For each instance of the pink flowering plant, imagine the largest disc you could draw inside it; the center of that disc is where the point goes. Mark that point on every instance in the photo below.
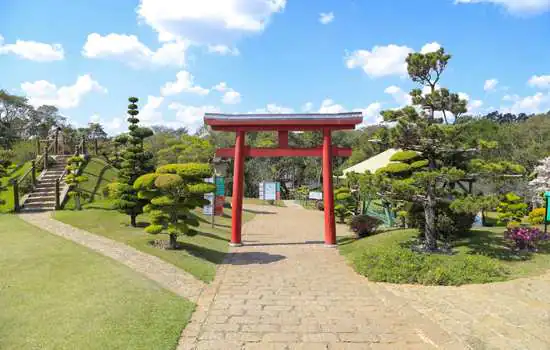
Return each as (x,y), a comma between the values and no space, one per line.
(525,238)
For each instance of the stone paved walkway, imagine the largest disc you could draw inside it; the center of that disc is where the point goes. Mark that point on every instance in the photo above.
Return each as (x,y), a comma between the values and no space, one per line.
(165,274)
(285,290)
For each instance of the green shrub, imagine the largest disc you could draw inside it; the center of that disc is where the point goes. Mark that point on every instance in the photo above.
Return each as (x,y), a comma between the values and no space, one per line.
(364,225)
(401,265)
(449,224)
(395,168)
(419,164)
(536,216)
(511,208)
(404,156)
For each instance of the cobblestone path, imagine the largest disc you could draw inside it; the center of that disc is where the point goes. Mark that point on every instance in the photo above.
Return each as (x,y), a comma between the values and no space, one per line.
(284,290)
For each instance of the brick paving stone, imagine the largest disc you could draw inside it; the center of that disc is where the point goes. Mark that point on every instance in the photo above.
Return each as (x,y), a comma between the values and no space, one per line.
(284,287)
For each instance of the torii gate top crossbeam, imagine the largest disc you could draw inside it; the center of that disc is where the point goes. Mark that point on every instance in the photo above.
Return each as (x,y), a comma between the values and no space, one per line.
(280,122)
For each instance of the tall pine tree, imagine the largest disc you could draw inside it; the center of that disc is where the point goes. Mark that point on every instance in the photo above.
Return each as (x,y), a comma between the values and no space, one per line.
(135,162)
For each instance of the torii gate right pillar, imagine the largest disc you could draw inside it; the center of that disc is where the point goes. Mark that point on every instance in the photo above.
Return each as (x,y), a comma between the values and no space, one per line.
(328,192)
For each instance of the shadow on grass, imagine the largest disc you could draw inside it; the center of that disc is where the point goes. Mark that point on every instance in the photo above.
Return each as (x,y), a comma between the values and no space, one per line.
(213,236)
(346,240)
(494,245)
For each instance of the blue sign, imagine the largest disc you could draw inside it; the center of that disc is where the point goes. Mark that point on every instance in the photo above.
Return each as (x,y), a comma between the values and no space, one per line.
(270,191)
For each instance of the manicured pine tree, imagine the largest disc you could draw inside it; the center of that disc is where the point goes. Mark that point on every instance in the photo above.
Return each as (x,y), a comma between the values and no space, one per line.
(432,129)
(73,179)
(5,162)
(135,162)
(174,190)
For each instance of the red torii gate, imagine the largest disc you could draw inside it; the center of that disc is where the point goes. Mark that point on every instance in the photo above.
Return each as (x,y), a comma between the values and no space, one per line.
(282,123)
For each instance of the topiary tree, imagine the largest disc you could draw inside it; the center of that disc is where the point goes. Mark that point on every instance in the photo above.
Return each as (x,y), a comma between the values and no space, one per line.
(174,190)
(511,209)
(135,162)
(433,130)
(73,179)
(5,163)
(345,205)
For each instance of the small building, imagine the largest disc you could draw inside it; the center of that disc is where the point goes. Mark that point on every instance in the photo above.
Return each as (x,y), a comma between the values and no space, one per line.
(372,164)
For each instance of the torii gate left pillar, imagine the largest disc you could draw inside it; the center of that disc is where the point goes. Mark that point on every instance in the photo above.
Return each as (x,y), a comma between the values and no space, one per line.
(240,124)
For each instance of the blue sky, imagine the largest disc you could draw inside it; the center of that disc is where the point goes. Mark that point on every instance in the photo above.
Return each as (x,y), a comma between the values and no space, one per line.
(184,57)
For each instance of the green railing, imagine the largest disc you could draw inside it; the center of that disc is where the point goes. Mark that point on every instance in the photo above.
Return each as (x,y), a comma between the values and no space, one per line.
(380,211)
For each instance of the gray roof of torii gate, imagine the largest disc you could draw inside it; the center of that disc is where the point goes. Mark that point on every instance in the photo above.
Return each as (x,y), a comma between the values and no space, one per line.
(271,121)
(283,116)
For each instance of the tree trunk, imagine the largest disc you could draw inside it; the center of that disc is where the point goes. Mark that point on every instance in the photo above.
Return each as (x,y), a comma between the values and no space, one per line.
(429,214)
(133,220)
(173,241)
(77,201)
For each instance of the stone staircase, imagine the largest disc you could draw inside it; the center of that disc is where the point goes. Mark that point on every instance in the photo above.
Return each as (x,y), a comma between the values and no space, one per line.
(42,197)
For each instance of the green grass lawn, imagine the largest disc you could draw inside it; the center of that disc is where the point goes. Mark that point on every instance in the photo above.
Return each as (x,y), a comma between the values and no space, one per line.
(7,196)
(483,256)
(200,254)
(55,294)
(99,175)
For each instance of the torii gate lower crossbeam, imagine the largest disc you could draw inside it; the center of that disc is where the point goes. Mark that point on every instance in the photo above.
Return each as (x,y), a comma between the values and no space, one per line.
(282,123)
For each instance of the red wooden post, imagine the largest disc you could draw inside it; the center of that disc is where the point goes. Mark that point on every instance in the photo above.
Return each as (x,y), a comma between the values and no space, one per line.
(328,193)
(283,138)
(238,191)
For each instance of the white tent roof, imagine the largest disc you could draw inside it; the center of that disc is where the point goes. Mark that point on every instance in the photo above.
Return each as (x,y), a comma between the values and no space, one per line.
(373,163)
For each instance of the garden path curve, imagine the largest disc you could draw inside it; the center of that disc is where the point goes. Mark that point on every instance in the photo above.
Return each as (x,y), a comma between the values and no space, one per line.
(284,290)
(165,274)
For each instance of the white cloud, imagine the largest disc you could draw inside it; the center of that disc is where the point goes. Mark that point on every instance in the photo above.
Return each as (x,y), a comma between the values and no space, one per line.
(540,81)
(426,89)
(430,47)
(185,82)
(112,126)
(149,113)
(474,105)
(490,84)
(401,97)
(328,106)
(33,50)
(42,92)
(381,61)
(513,97)
(207,21)
(371,114)
(464,96)
(307,107)
(273,108)
(224,50)
(128,49)
(515,6)
(230,96)
(536,103)
(192,116)
(326,18)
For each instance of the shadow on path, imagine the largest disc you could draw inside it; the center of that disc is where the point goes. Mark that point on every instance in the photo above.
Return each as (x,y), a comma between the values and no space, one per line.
(283,243)
(259,211)
(249,258)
